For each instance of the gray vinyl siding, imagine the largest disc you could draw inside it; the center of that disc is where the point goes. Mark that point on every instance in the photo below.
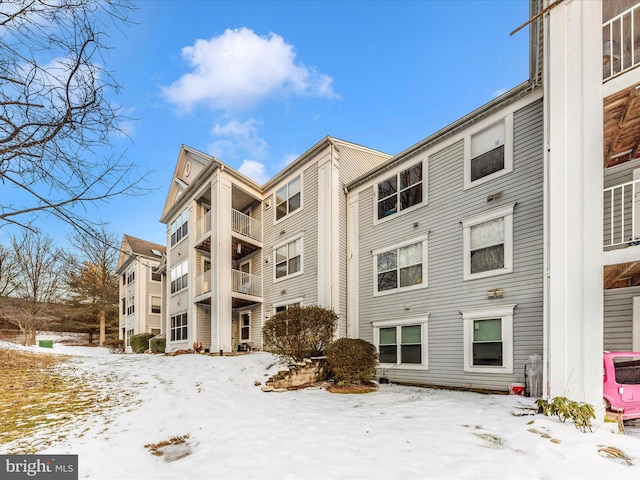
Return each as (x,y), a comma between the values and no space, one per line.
(618,318)
(447,294)
(304,222)
(352,163)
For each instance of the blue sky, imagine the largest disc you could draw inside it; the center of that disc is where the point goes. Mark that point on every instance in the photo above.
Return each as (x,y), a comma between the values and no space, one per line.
(257,83)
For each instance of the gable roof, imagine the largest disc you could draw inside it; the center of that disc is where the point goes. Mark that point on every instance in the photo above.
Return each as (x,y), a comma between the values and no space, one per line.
(133,247)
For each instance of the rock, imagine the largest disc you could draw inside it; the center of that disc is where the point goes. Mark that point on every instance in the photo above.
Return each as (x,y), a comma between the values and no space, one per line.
(267,388)
(555,440)
(257,383)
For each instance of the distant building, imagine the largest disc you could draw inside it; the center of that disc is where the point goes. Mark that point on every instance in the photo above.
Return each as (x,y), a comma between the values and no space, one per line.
(141,286)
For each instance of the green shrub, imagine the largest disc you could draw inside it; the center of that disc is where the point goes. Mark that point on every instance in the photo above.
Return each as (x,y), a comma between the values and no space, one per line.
(158,345)
(580,413)
(114,346)
(140,343)
(299,332)
(352,360)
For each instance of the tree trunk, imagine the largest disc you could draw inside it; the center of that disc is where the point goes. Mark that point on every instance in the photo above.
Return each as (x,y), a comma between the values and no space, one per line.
(102,315)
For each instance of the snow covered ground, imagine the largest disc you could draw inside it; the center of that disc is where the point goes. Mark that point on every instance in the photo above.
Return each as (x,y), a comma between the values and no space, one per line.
(237,431)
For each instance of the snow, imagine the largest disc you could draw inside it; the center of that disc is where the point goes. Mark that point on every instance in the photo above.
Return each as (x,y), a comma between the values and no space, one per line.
(237,431)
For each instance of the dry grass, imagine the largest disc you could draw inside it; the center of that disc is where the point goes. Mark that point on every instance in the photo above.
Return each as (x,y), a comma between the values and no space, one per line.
(42,397)
(352,388)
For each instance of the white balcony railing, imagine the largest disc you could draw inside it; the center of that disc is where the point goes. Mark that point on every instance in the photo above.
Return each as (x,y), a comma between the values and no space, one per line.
(203,225)
(203,283)
(621,42)
(622,214)
(245,225)
(242,282)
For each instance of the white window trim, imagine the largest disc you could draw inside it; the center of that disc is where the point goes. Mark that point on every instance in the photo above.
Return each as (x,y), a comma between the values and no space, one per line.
(508,152)
(424,331)
(151,304)
(173,315)
(505,313)
(151,267)
(425,189)
(240,314)
(425,272)
(275,202)
(505,212)
(287,303)
(292,275)
(187,214)
(185,263)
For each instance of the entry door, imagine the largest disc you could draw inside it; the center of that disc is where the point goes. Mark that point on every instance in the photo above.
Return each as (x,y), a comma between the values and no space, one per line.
(245,284)
(245,327)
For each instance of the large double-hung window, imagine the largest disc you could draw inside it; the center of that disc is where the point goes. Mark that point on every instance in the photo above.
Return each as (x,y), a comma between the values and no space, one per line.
(400,267)
(179,227)
(179,327)
(488,243)
(179,276)
(489,152)
(488,339)
(402,342)
(288,259)
(288,198)
(401,191)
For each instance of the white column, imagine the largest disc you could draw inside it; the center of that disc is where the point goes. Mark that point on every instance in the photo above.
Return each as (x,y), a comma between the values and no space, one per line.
(574,173)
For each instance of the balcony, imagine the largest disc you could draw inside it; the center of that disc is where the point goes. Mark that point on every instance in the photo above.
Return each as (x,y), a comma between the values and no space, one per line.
(622,215)
(202,288)
(203,233)
(621,40)
(246,289)
(246,226)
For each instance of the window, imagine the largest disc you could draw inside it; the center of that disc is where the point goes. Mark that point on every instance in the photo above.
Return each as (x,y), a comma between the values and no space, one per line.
(124,279)
(245,326)
(129,335)
(179,327)
(488,243)
(400,268)
(124,306)
(289,258)
(402,342)
(282,308)
(488,339)
(131,276)
(155,304)
(489,152)
(131,305)
(288,198)
(155,276)
(179,275)
(180,227)
(400,192)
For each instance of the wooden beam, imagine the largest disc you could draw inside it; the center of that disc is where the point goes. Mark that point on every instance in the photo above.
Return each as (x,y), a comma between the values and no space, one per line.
(615,135)
(613,272)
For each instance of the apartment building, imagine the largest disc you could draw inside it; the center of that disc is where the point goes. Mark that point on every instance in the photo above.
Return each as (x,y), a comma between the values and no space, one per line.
(141,288)
(509,233)
(239,252)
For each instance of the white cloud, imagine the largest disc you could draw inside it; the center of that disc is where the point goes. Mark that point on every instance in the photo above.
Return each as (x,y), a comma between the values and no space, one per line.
(239,68)
(236,136)
(254,170)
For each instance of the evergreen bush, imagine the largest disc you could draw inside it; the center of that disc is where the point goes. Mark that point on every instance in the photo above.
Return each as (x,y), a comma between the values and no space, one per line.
(140,343)
(158,345)
(299,332)
(352,360)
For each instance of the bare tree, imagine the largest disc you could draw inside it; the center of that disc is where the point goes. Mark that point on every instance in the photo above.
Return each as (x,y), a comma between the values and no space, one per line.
(39,282)
(56,117)
(92,281)
(7,272)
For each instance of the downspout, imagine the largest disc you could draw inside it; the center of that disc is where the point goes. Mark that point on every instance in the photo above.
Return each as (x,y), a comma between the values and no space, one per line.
(547,207)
